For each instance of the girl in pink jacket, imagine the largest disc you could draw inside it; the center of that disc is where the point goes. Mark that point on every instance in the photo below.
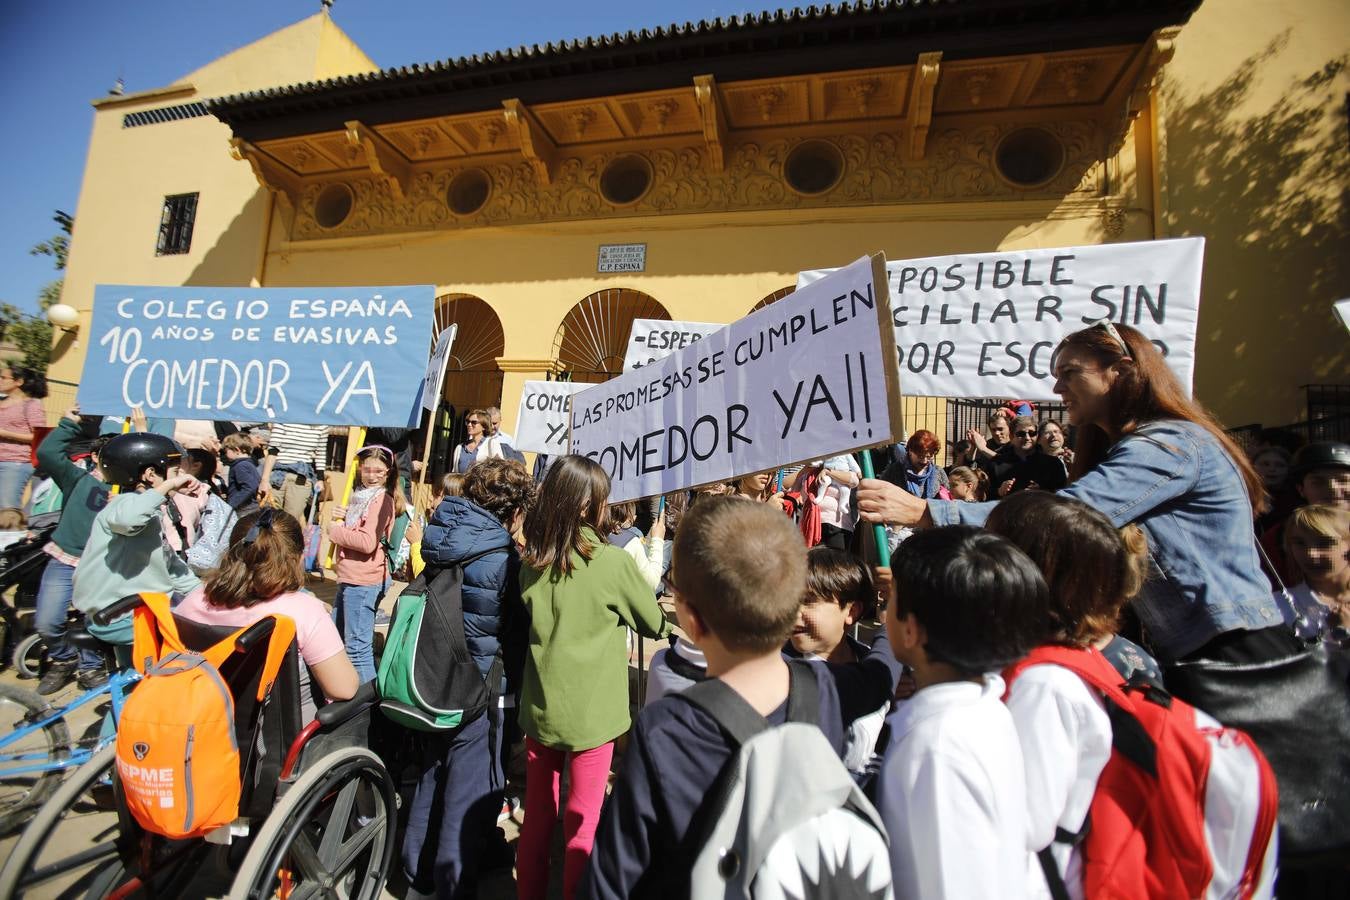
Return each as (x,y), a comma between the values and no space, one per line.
(358,531)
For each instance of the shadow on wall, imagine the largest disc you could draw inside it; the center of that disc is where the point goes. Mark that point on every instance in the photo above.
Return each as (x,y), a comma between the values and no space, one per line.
(232,260)
(1270,191)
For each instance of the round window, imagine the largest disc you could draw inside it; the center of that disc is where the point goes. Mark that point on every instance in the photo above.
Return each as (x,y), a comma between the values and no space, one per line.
(468,192)
(813,167)
(625,180)
(333,206)
(1029,157)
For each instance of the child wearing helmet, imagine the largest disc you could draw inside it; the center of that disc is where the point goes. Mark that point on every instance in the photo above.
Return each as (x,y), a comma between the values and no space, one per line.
(127,552)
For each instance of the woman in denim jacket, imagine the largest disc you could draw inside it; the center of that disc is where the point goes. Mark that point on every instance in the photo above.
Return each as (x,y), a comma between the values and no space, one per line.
(1148,454)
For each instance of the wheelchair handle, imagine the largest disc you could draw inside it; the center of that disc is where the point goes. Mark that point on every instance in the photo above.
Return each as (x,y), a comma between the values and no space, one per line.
(258,631)
(105,616)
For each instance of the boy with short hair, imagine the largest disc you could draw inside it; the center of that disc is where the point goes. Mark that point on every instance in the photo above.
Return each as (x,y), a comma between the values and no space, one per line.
(738,572)
(952,789)
(242,489)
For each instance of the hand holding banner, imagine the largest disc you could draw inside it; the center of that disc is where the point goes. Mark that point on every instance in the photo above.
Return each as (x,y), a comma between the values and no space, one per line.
(812,375)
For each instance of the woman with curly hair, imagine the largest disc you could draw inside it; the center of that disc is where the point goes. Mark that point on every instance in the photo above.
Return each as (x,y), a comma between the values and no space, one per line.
(462,785)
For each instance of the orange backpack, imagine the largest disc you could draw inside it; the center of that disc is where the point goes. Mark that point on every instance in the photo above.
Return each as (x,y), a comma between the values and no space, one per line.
(177,754)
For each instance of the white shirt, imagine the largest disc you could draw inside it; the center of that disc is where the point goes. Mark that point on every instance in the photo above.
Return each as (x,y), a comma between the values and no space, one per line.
(1066,741)
(952,796)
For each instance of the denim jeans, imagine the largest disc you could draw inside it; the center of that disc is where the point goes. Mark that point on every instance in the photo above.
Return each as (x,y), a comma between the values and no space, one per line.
(53,600)
(119,633)
(13,479)
(454,809)
(354,615)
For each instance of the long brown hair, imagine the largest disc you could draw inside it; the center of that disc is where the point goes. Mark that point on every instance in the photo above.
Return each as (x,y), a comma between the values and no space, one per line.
(573,495)
(1085,560)
(1144,391)
(262,561)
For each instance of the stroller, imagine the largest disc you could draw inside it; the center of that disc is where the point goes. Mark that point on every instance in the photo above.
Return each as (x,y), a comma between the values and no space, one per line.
(21,566)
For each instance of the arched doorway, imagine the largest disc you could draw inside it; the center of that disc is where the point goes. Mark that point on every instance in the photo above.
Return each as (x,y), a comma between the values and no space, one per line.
(593,336)
(773,298)
(472,377)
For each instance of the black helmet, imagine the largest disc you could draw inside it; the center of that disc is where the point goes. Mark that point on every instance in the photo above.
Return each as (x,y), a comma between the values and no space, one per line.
(1320,455)
(126,456)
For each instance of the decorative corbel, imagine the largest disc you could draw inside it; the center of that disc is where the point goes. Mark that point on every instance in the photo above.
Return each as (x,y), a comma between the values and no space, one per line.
(535,145)
(386,162)
(922,87)
(271,174)
(1162,44)
(714,120)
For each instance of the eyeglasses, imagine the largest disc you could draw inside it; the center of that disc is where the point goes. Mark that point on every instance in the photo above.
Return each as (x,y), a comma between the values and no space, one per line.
(472,422)
(1105,325)
(1025,433)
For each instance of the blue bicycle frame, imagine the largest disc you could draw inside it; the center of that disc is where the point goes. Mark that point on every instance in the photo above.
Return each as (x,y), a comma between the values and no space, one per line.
(14,764)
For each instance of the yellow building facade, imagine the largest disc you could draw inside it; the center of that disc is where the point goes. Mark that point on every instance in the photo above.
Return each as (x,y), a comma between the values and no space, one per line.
(741,152)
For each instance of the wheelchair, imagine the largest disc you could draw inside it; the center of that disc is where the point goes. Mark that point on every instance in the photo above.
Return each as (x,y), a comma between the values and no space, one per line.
(317,816)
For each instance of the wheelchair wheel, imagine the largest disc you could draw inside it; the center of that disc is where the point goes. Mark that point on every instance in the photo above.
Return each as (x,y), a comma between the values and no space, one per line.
(72,835)
(28,656)
(331,835)
(23,792)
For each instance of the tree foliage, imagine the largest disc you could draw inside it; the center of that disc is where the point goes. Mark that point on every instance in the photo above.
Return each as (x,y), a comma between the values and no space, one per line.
(33,334)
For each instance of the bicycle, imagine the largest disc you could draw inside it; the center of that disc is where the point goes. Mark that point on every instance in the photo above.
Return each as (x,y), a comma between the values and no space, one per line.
(38,751)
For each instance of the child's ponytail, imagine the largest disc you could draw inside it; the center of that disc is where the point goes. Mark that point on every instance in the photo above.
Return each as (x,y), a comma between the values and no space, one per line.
(262,561)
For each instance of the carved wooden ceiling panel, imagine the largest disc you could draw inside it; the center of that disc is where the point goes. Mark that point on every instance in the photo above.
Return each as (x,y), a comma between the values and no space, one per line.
(579,123)
(423,141)
(977,86)
(767,104)
(657,114)
(306,157)
(879,94)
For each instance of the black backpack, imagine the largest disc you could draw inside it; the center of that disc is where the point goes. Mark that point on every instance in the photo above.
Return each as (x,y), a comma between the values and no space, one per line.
(428,680)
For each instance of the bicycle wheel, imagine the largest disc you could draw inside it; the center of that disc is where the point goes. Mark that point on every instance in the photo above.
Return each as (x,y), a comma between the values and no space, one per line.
(21,792)
(70,839)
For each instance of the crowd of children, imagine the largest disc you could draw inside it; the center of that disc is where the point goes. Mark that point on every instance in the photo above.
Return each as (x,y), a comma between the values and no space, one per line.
(969,738)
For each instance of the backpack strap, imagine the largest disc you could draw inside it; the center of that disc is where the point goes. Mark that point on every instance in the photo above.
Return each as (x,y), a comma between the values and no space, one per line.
(154,631)
(1087,663)
(739,719)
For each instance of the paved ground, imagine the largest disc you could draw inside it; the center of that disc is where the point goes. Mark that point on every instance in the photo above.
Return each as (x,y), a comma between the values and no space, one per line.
(499,885)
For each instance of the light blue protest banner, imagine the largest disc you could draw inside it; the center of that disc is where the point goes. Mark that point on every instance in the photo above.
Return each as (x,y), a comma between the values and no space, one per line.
(317,356)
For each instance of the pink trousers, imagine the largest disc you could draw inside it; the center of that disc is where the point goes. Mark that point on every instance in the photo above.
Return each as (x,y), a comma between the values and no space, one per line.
(588,773)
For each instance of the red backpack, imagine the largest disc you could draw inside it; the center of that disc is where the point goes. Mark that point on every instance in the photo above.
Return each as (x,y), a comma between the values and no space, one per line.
(1184,808)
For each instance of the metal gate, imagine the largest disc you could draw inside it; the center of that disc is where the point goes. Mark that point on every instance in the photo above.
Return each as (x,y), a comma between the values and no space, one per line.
(472,378)
(593,337)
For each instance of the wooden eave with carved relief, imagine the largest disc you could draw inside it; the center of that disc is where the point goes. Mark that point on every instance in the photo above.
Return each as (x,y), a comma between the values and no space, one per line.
(923,130)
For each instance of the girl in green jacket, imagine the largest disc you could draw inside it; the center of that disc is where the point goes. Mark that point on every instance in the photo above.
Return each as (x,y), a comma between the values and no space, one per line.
(580,592)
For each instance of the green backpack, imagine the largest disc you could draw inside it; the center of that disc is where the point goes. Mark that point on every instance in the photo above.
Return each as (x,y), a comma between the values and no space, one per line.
(428,680)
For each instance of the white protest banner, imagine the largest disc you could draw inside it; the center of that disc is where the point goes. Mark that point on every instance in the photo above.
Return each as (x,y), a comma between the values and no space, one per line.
(541,423)
(434,377)
(985,324)
(812,375)
(653,339)
(316,355)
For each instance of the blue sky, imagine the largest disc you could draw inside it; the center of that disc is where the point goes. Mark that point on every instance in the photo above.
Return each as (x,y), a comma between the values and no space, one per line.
(56,57)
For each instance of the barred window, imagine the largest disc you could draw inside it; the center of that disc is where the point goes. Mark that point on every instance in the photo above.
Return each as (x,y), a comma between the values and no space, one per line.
(175,224)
